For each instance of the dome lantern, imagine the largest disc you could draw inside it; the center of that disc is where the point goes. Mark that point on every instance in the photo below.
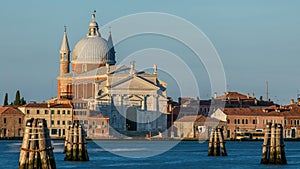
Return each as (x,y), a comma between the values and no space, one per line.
(93,27)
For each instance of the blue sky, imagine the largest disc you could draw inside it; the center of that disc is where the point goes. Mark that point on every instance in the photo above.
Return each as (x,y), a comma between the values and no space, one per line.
(256,40)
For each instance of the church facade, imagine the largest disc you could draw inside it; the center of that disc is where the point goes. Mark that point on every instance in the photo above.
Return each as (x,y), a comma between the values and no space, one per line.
(133,100)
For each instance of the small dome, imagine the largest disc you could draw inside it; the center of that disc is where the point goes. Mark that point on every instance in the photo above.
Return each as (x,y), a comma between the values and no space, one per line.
(93,24)
(92,49)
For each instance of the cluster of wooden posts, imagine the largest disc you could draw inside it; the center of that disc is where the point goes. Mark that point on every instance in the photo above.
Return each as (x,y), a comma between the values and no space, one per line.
(36,150)
(75,144)
(273,146)
(216,143)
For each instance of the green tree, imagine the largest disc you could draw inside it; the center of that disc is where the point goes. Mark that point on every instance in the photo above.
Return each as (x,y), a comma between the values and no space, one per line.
(23,101)
(17,101)
(5,100)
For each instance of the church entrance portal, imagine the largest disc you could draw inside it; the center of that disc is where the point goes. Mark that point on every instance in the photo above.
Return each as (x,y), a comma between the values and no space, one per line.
(131,119)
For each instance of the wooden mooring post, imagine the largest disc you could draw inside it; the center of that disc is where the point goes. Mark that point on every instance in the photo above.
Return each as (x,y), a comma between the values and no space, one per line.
(75,144)
(273,145)
(36,151)
(216,143)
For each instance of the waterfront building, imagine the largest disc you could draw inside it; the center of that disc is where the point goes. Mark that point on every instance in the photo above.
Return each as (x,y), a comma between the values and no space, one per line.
(253,120)
(133,100)
(95,124)
(58,116)
(196,127)
(11,122)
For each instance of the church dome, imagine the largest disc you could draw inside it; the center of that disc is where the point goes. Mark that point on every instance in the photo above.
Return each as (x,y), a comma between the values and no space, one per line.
(93,49)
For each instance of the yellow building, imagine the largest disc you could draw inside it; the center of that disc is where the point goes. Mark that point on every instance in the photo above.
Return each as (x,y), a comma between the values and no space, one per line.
(57,116)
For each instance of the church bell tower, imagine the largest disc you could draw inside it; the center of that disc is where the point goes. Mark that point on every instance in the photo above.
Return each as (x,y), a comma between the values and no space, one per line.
(64,55)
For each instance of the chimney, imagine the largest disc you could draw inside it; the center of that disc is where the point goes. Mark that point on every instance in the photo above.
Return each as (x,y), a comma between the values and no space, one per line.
(48,104)
(253,95)
(215,95)
(248,96)
(292,101)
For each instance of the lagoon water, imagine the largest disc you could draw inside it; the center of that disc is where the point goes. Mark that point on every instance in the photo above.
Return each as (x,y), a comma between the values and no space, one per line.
(186,154)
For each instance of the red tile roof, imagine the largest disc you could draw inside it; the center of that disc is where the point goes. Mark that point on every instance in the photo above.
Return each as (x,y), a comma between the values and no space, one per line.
(233,95)
(197,119)
(45,105)
(293,110)
(9,110)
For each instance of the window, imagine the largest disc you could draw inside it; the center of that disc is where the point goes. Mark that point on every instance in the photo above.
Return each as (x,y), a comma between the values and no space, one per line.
(46,112)
(58,122)
(86,122)
(63,122)
(52,111)
(102,131)
(52,122)
(4,132)
(103,123)
(228,121)
(54,131)
(246,121)
(37,111)
(285,122)
(19,132)
(238,121)
(243,121)
(64,112)
(253,121)
(70,122)
(58,111)
(84,68)
(228,133)
(94,123)
(235,121)
(28,111)
(4,120)
(68,111)
(20,120)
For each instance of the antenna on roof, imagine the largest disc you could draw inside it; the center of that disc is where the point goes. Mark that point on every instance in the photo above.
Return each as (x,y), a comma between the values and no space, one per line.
(267,90)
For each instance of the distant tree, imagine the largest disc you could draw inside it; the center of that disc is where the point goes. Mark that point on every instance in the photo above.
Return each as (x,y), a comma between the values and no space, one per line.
(17,101)
(23,101)
(5,100)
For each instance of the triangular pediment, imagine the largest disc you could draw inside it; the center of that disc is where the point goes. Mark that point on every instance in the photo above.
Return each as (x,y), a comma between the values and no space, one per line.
(133,83)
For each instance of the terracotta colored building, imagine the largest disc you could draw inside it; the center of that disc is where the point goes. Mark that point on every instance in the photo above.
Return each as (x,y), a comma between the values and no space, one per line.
(57,115)
(254,120)
(96,125)
(11,122)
